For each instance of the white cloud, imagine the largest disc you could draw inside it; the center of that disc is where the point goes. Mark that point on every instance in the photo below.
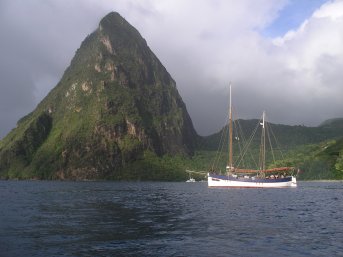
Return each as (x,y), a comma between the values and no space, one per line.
(314,52)
(330,10)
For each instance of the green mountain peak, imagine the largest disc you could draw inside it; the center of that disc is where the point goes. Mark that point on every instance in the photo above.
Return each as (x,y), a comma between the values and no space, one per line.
(115,102)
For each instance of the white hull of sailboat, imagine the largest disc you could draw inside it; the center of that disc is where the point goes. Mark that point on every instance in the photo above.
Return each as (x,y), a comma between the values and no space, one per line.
(219,181)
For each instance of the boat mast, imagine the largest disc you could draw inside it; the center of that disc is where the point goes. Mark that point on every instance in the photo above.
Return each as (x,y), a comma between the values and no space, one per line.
(263,142)
(230,134)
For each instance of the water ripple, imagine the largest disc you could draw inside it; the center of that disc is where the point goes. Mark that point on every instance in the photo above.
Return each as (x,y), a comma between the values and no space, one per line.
(168,219)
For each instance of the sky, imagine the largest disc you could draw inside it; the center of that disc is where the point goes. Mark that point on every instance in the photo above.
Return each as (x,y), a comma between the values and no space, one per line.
(281,56)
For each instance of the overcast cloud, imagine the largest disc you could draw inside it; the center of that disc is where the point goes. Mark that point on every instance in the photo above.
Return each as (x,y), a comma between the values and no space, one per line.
(296,77)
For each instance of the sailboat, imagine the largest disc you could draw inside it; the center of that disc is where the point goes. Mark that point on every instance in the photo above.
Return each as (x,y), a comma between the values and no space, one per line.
(250,178)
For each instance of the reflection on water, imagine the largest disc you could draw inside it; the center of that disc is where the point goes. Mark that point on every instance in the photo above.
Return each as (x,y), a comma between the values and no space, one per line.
(168,219)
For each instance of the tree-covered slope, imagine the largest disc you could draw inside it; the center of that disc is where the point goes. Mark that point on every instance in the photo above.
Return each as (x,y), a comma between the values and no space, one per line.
(317,161)
(317,151)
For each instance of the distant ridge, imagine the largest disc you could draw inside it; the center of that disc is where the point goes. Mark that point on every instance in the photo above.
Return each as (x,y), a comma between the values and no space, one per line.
(289,136)
(336,122)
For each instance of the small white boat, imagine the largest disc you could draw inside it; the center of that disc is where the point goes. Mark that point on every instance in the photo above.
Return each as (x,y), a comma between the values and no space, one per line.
(190,180)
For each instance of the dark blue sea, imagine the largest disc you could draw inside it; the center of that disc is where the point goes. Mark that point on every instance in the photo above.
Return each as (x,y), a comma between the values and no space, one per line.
(43,218)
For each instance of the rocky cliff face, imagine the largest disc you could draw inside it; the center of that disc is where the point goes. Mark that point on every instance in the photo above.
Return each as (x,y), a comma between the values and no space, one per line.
(114,102)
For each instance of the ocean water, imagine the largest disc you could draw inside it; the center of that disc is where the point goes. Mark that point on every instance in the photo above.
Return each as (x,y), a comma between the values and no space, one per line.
(44,218)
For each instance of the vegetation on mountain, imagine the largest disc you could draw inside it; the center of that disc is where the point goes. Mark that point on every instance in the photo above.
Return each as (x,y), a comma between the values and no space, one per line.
(316,151)
(317,161)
